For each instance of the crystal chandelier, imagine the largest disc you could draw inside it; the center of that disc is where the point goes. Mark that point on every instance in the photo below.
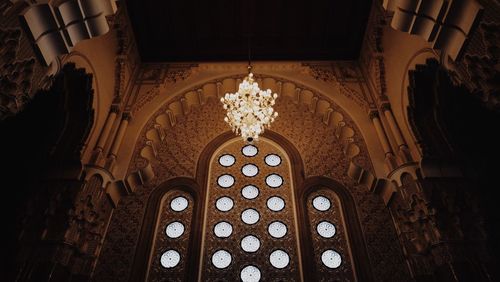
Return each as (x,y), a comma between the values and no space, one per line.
(249,110)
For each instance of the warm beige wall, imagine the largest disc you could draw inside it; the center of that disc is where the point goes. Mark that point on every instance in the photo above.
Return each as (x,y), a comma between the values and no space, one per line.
(401,53)
(97,57)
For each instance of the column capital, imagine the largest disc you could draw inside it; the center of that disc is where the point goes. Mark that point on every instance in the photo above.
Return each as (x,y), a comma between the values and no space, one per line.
(115,108)
(385,106)
(372,114)
(127,116)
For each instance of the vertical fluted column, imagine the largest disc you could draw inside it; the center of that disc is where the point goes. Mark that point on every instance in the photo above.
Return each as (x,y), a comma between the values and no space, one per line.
(403,150)
(106,129)
(115,147)
(384,141)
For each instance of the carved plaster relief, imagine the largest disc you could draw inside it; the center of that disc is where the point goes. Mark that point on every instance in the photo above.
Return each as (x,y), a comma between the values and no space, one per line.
(163,150)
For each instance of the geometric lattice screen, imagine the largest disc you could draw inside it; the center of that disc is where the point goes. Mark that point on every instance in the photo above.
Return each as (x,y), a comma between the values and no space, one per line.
(251,223)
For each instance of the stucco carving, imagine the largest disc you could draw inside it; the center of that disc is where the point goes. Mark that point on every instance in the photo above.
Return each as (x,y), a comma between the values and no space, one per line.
(433,219)
(20,74)
(160,76)
(340,75)
(326,137)
(372,54)
(479,70)
(127,59)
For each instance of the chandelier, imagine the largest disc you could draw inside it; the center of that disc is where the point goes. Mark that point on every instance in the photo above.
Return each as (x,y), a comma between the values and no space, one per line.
(250,110)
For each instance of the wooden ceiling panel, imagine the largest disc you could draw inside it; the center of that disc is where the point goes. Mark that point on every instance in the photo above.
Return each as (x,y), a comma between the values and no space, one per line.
(219,30)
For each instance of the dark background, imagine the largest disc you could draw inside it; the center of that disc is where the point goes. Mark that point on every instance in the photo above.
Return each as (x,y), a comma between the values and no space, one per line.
(221,30)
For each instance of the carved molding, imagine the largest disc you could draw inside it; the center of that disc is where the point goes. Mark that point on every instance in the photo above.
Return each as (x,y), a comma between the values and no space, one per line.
(479,70)
(56,30)
(446,24)
(340,74)
(372,53)
(127,60)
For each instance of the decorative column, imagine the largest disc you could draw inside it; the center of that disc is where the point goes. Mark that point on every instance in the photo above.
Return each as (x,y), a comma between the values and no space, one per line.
(403,151)
(63,218)
(390,160)
(115,147)
(103,138)
(441,229)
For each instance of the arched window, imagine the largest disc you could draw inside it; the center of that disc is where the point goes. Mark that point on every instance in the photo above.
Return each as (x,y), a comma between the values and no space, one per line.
(168,261)
(255,219)
(328,236)
(250,226)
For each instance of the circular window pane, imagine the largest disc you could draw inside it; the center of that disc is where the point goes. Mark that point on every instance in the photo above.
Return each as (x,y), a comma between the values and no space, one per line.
(272,160)
(250,273)
(170,258)
(223,229)
(277,229)
(250,192)
(275,203)
(179,204)
(326,229)
(227,160)
(250,170)
(274,180)
(331,259)
(279,259)
(250,216)
(221,259)
(250,244)
(225,180)
(321,203)
(250,150)
(174,229)
(224,204)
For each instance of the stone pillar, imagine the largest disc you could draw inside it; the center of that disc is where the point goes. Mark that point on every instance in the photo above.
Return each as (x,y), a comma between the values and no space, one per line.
(384,141)
(64,231)
(441,229)
(403,151)
(106,129)
(115,147)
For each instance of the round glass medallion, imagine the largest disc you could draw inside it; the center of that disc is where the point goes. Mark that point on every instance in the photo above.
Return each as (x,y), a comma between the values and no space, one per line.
(225,180)
(250,216)
(250,192)
(223,229)
(331,259)
(221,259)
(275,203)
(170,258)
(250,244)
(279,259)
(224,204)
(274,180)
(250,273)
(277,229)
(326,229)
(250,170)
(179,204)
(250,151)
(174,229)
(272,160)
(321,203)
(227,160)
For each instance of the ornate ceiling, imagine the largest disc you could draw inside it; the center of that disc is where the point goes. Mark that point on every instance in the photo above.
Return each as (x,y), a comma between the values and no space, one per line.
(218,30)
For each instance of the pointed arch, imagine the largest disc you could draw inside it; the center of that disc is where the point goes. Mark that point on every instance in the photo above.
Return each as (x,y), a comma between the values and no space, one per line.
(348,219)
